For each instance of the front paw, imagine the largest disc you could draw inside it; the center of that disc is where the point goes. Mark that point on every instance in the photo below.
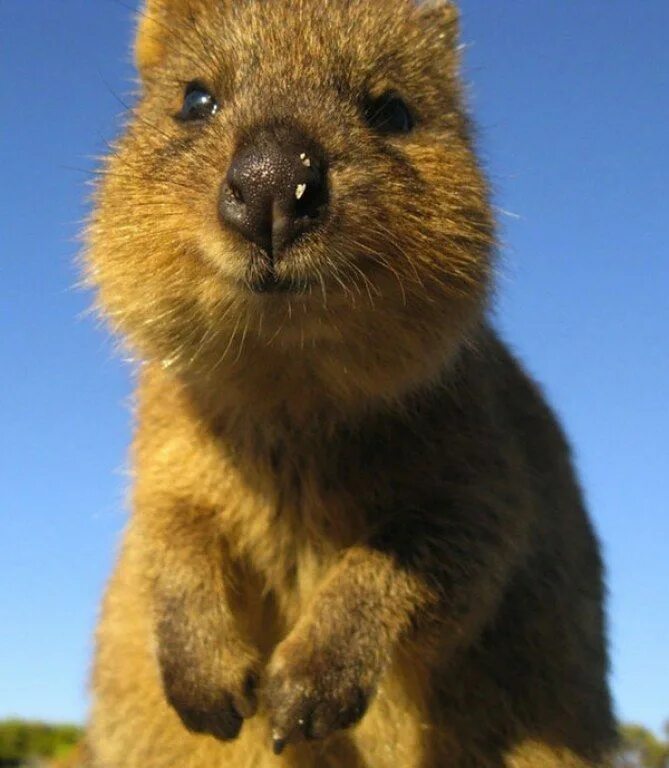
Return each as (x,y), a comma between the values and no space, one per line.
(216,704)
(312,692)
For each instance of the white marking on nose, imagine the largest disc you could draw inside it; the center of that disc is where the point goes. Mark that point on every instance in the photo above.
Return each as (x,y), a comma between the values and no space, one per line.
(305,159)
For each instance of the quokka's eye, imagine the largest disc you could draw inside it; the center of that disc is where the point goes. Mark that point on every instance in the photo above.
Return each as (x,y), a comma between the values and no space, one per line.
(389,114)
(198,104)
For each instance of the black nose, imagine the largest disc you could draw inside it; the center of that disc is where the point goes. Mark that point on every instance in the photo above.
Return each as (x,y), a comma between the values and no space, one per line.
(275,190)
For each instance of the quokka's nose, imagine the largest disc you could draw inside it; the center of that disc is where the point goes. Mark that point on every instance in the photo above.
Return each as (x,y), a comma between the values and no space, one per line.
(275,190)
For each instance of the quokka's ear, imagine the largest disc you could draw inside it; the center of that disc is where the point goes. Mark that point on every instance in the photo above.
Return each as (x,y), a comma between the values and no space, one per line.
(443,17)
(158,20)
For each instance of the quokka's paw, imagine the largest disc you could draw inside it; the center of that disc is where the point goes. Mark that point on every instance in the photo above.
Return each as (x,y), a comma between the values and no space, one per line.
(216,707)
(309,694)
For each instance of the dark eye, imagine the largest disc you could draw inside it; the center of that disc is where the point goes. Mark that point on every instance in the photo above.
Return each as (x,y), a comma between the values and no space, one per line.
(199,103)
(389,114)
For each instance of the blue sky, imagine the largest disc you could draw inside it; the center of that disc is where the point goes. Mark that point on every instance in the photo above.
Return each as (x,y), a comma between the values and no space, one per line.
(572,100)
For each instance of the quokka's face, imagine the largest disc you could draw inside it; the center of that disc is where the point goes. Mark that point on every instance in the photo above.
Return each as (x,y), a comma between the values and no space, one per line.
(295,175)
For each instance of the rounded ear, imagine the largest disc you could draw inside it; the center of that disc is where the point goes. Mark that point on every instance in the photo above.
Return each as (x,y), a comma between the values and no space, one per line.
(442,17)
(157,19)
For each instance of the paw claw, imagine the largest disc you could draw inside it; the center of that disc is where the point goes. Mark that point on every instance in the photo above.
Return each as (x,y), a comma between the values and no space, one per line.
(278,743)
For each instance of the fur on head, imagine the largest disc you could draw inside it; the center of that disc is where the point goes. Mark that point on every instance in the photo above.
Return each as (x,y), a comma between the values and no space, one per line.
(385,289)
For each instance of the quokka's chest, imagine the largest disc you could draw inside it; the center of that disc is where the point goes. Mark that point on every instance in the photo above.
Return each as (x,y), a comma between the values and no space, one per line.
(282,527)
(290,533)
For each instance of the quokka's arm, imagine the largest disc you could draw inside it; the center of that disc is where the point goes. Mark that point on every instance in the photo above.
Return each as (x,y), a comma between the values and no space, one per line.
(209,672)
(434,575)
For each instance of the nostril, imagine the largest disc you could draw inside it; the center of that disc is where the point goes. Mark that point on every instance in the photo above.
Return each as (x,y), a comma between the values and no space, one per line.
(309,200)
(236,191)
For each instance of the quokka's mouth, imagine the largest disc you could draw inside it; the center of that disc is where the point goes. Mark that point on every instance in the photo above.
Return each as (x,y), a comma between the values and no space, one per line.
(268,281)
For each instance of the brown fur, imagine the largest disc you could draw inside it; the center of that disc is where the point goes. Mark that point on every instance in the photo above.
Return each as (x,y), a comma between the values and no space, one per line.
(355,523)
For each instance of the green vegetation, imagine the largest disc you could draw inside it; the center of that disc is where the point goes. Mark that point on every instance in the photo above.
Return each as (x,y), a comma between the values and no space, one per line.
(22,742)
(639,748)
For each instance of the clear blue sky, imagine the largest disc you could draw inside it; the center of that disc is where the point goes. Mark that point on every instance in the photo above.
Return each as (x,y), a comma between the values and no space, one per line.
(572,99)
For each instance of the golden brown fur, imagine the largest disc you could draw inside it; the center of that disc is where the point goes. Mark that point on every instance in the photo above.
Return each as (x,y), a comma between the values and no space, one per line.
(355,523)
